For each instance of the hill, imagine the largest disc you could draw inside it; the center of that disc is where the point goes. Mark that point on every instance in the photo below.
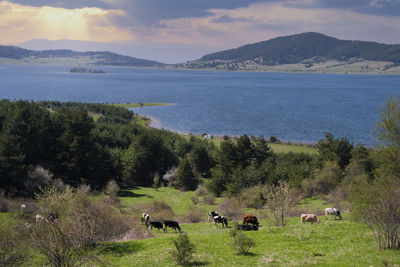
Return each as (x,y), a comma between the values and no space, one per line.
(313,51)
(13,54)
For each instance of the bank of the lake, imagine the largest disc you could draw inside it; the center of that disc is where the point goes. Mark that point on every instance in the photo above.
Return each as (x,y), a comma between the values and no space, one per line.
(294,107)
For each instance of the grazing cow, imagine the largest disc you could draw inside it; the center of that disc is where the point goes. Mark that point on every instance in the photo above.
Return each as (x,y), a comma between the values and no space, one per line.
(245,227)
(156,225)
(309,218)
(250,219)
(146,217)
(40,218)
(173,224)
(220,219)
(332,211)
(212,214)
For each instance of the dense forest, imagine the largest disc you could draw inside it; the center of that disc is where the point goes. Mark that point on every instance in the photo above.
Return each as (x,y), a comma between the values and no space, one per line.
(95,143)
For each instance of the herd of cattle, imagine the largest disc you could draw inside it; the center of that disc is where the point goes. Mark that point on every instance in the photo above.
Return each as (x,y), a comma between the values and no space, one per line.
(250,222)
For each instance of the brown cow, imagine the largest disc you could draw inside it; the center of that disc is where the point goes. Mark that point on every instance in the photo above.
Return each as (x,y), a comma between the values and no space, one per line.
(250,219)
(309,218)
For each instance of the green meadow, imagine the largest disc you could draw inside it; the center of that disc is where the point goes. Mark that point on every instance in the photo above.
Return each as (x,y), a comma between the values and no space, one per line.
(331,243)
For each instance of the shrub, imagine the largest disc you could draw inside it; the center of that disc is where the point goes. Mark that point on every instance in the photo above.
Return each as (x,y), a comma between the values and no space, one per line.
(194,215)
(184,249)
(37,178)
(159,210)
(378,205)
(4,204)
(111,191)
(253,197)
(203,196)
(82,221)
(231,209)
(273,139)
(13,238)
(241,243)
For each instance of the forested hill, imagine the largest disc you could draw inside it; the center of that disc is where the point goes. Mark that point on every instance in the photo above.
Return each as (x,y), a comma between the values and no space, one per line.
(295,48)
(92,57)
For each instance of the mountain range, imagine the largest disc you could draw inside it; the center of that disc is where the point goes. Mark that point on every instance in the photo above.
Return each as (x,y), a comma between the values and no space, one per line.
(305,52)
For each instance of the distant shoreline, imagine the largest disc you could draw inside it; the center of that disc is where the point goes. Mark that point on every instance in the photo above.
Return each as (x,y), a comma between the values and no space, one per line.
(155,123)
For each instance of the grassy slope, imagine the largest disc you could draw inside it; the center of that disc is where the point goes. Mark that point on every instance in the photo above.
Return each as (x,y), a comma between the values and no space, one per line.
(284,148)
(337,243)
(139,105)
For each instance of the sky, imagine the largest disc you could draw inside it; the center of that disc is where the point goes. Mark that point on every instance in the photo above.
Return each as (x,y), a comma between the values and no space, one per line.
(174,31)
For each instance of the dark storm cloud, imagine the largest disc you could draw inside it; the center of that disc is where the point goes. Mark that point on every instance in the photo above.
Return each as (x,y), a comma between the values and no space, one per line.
(372,7)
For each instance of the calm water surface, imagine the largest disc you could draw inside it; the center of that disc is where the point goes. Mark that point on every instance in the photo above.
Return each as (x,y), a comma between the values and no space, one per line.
(293,107)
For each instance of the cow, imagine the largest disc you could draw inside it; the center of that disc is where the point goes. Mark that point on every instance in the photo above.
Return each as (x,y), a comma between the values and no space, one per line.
(332,211)
(40,218)
(309,218)
(173,224)
(146,217)
(245,227)
(212,214)
(220,219)
(250,219)
(156,225)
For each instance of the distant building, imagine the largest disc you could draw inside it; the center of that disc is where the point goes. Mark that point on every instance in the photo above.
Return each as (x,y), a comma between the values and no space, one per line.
(208,136)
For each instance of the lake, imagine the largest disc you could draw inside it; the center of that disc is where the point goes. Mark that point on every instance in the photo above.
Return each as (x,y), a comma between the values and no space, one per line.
(293,107)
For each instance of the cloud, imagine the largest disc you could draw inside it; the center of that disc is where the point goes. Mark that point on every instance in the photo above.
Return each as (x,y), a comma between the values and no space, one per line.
(19,23)
(372,7)
(228,19)
(267,20)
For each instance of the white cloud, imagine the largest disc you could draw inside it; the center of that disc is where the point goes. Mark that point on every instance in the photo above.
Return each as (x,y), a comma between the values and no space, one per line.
(19,23)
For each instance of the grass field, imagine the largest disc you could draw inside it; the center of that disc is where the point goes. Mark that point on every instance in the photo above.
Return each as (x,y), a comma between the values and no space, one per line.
(332,243)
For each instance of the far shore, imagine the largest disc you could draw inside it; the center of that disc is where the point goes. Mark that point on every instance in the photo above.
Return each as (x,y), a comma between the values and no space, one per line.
(279,146)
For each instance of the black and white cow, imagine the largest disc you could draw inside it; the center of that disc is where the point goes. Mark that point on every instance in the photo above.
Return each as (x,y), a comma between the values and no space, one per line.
(221,219)
(146,217)
(156,225)
(173,224)
(245,227)
(212,214)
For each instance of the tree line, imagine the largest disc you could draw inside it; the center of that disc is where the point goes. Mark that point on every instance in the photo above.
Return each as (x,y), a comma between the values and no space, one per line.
(71,145)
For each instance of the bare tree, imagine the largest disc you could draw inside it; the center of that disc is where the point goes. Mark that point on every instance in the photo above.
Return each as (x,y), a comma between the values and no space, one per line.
(277,202)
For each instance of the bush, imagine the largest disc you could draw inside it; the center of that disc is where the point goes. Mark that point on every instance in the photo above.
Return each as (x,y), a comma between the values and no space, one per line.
(4,204)
(241,243)
(13,238)
(203,196)
(184,249)
(38,178)
(231,209)
(378,205)
(158,210)
(82,221)
(111,191)
(194,215)
(253,197)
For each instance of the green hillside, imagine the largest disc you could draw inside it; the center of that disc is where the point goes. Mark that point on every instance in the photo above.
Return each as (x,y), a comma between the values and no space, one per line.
(295,48)
(91,57)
